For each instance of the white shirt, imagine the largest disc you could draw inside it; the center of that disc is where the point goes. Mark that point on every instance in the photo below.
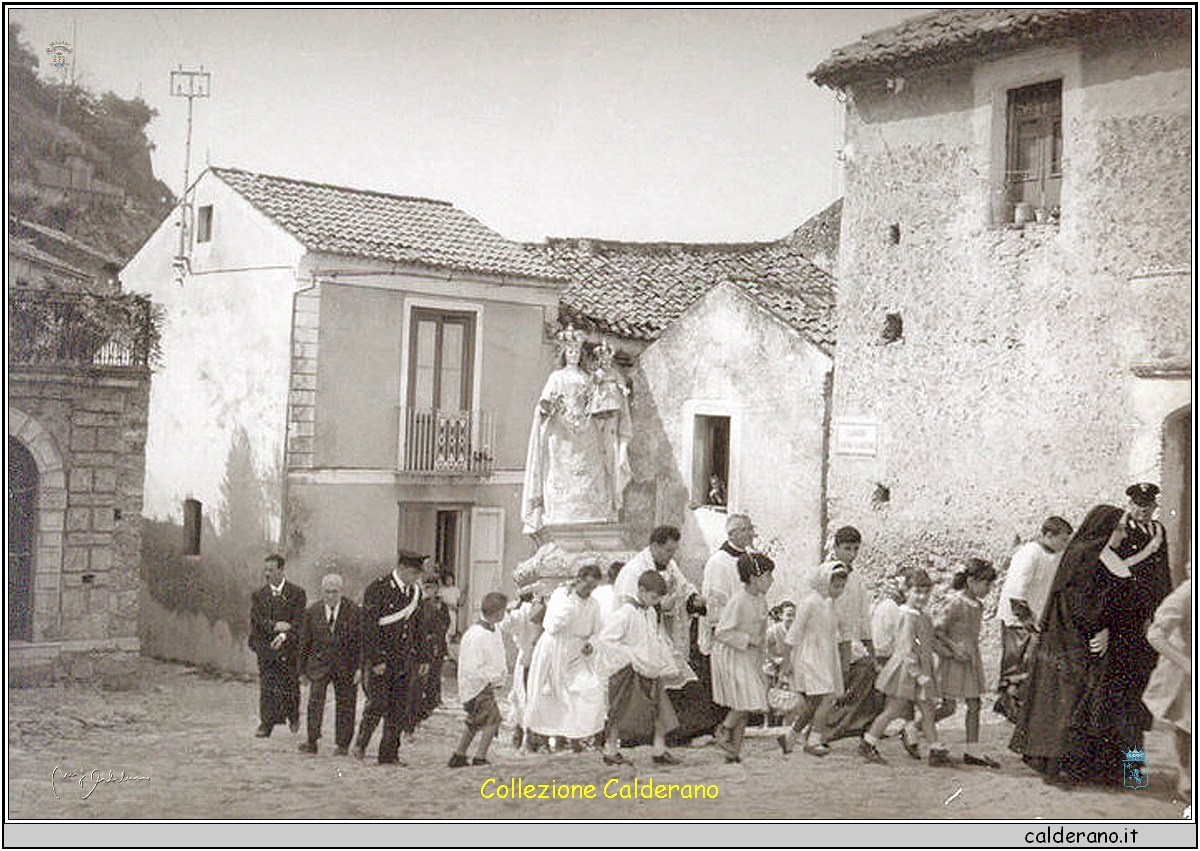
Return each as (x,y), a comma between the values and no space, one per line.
(481,661)
(673,604)
(632,636)
(853,610)
(331,612)
(606,598)
(626,584)
(1030,575)
(885,623)
(720,583)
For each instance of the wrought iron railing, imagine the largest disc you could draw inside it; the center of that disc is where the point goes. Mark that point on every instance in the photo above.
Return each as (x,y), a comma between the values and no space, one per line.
(454,442)
(68,329)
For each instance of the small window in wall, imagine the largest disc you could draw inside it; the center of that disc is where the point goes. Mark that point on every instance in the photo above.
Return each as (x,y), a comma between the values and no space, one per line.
(204,220)
(710,461)
(191,527)
(1033,171)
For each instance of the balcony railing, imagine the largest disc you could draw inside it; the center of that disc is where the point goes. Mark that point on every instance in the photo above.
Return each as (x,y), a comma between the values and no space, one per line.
(68,329)
(448,442)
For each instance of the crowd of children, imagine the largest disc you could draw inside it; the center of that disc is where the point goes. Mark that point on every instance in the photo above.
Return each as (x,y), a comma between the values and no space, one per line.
(604,664)
(597,663)
(591,670)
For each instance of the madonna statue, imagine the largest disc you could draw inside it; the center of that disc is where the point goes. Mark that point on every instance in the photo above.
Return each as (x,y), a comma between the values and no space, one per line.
(565,479)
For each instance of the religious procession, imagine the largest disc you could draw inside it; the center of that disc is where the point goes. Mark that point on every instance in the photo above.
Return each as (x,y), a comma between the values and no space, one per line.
(1095,643)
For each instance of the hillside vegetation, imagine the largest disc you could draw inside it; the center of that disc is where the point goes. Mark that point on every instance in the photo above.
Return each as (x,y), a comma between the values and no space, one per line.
(78,161)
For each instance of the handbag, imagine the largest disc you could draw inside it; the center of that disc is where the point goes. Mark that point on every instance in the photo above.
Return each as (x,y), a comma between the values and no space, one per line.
(782,700)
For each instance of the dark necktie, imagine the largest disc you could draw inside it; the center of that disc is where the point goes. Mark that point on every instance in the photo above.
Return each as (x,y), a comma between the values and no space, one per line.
(331,620)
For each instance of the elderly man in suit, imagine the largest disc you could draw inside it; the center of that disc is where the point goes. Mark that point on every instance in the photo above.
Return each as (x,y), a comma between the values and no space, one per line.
(330,651)
(275,612)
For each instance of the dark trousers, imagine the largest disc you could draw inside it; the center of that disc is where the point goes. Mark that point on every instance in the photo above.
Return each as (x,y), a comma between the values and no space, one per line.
(345,697)
(387,698)
(278,691)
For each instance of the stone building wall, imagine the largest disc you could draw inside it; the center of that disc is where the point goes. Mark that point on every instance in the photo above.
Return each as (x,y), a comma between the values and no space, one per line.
(87,433)
(727,356)
(1018,388)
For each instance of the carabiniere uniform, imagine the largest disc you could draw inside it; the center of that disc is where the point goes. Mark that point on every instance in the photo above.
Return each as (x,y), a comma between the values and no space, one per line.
(389,628)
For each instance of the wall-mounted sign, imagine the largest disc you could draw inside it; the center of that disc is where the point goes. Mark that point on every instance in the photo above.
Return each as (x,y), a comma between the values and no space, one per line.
(856,438)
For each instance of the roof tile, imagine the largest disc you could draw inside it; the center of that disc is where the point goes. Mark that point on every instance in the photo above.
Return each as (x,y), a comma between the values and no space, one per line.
(376,225)
(636,290)
(954,34)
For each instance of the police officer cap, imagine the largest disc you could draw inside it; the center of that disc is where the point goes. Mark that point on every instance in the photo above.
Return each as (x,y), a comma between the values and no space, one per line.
(408,558)
(1143,493)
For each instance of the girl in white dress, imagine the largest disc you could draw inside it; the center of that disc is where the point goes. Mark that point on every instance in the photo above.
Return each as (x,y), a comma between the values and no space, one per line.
(814,663)
(739,644)
(565,694)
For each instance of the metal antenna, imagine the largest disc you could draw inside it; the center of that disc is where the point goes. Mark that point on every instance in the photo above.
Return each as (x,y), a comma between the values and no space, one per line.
(190,85)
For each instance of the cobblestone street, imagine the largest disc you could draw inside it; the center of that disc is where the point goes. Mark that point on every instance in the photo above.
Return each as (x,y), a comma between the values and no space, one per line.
(191,734)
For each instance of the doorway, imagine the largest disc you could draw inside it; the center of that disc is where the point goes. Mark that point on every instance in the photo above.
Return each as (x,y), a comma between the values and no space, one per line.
(1176,499)
(22,541)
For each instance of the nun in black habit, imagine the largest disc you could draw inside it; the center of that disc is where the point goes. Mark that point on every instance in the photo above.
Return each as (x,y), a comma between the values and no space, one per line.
(1083,710)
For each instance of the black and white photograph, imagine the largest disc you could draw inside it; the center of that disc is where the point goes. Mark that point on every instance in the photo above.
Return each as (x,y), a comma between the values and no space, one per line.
(682,418)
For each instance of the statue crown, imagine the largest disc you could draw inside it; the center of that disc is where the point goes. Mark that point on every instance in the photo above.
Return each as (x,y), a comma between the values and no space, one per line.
(570,335)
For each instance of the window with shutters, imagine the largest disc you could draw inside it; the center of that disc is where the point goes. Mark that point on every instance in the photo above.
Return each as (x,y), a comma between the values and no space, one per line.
(444,431)
(1033,172)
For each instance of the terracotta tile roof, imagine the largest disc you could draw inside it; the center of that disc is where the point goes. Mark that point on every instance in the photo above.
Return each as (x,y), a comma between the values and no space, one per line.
(955,34)
(635,290)
(818,238)
(375,225)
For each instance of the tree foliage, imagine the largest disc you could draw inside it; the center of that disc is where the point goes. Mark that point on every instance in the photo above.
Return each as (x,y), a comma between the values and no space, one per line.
(50,120)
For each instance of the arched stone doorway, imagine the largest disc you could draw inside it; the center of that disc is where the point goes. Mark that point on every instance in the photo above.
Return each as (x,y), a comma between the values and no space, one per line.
(1176,498)
(46,527)
(22,539)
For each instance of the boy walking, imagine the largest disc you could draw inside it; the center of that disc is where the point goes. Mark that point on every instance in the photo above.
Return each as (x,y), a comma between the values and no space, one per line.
(481,670)
(638,703)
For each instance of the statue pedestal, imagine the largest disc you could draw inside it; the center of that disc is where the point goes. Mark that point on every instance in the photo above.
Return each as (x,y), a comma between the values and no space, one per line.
(564,548)
(583,537)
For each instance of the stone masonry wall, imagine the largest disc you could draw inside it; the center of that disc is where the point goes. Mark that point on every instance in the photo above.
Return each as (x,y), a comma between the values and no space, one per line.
(98,423)
(1009,396)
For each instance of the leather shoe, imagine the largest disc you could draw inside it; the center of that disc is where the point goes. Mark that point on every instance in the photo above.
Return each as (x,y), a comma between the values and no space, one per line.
(616,759)
(358,751)
(970,759)
(341,750)
(940,758)
(308,747)
(458,760)
(666,758)
(870,753)
(294,725)
(909,745)
(262,732)
(819,749)
(785,744)
(480,760)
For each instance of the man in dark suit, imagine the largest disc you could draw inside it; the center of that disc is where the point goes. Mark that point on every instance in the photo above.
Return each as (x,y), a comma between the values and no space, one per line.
(330,651)
(275,612)
(390,657)
(433,622)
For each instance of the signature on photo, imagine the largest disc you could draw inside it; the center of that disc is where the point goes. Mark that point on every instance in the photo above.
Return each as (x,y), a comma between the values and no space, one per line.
(89,780)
